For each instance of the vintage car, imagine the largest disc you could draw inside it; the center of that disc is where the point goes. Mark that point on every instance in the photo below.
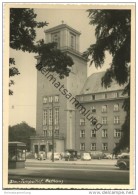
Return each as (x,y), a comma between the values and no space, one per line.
(85,156)
(123,162)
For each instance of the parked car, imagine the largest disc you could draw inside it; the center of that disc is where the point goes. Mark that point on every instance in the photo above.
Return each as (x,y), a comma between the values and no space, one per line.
(78,155)
(41,155)
(57,156)
(85,156)
(122,154)
(62,154)
(70,155)
(123,162)
(107,156)
(96,154)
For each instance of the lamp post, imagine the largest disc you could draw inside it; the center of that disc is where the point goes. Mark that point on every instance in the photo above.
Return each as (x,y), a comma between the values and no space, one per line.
(45,138)
(52,131)
(69,136)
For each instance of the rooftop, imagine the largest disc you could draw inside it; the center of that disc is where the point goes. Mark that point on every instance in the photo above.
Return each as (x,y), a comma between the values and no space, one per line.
(93,84)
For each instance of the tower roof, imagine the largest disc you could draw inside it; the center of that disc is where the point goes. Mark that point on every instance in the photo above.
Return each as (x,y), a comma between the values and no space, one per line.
(61,26)
(93,84)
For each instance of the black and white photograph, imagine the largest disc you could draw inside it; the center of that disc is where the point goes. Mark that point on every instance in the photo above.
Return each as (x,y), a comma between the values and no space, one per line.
(69,96)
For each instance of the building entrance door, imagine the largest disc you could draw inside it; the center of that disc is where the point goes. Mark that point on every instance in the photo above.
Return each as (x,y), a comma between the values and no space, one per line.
(50,147)
(36,149)
(42,147)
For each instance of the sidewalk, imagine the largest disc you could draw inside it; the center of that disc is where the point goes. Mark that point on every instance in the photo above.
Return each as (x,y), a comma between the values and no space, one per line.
(107,162)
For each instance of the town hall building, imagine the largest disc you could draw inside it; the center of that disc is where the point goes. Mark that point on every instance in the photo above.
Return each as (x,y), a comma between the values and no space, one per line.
(63,116)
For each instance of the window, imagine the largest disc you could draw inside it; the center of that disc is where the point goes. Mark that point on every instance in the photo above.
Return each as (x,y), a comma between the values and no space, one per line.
(104,108)
(44,100)
(56,98)
(104,132)
(82,121)
(82,133)
(116,94)
(93,109)
(93,97)
(50,99)
(116,107)
(56,38)
(116,120)
(104,146)
(44,117)
(93,146)
(82,146)
(56,116)
(50,116)
(104,120)
(104,96)
(44,128)
(56,132)
(117,133)
(49,133)
(72,41)
(93,133)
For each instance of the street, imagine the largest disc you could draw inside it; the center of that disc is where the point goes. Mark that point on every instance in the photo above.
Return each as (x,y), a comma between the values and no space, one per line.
(69,173)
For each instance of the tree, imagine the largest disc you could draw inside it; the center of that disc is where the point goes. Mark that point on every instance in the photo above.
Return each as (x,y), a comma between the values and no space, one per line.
(113,33)
(21,132)
(23,30)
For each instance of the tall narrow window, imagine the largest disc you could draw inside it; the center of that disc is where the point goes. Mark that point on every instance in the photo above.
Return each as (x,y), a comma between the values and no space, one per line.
(56,38)
(104,132)
(45,100)
(93,109)
(56,116)
(56,98)
(105,146)
(104,95)
(50,99)
(116,107)
(93,97)
(117,133)
(49,133)
(93,146)
(82,133)
(93,133)
(82,146)
(104,108)
(82,121)
(116,120)
(72,41)
(104,120)
(115,94)
(44,117)
(50,116)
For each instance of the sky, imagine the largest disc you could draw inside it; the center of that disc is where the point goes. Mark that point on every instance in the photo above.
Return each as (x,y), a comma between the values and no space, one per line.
(22,105)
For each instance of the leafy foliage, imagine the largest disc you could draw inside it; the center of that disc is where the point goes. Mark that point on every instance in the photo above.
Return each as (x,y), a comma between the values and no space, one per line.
(23,26)
(54,59)
(23,29)
(113,33)
(21,132)
(12,72)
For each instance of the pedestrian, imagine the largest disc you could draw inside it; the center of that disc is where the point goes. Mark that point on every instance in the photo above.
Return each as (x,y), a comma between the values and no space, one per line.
(41,156)
(35,155)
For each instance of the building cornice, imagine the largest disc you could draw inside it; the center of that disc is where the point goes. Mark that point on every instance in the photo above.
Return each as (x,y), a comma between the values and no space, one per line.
(61,26)
(102,100)
(117,90)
